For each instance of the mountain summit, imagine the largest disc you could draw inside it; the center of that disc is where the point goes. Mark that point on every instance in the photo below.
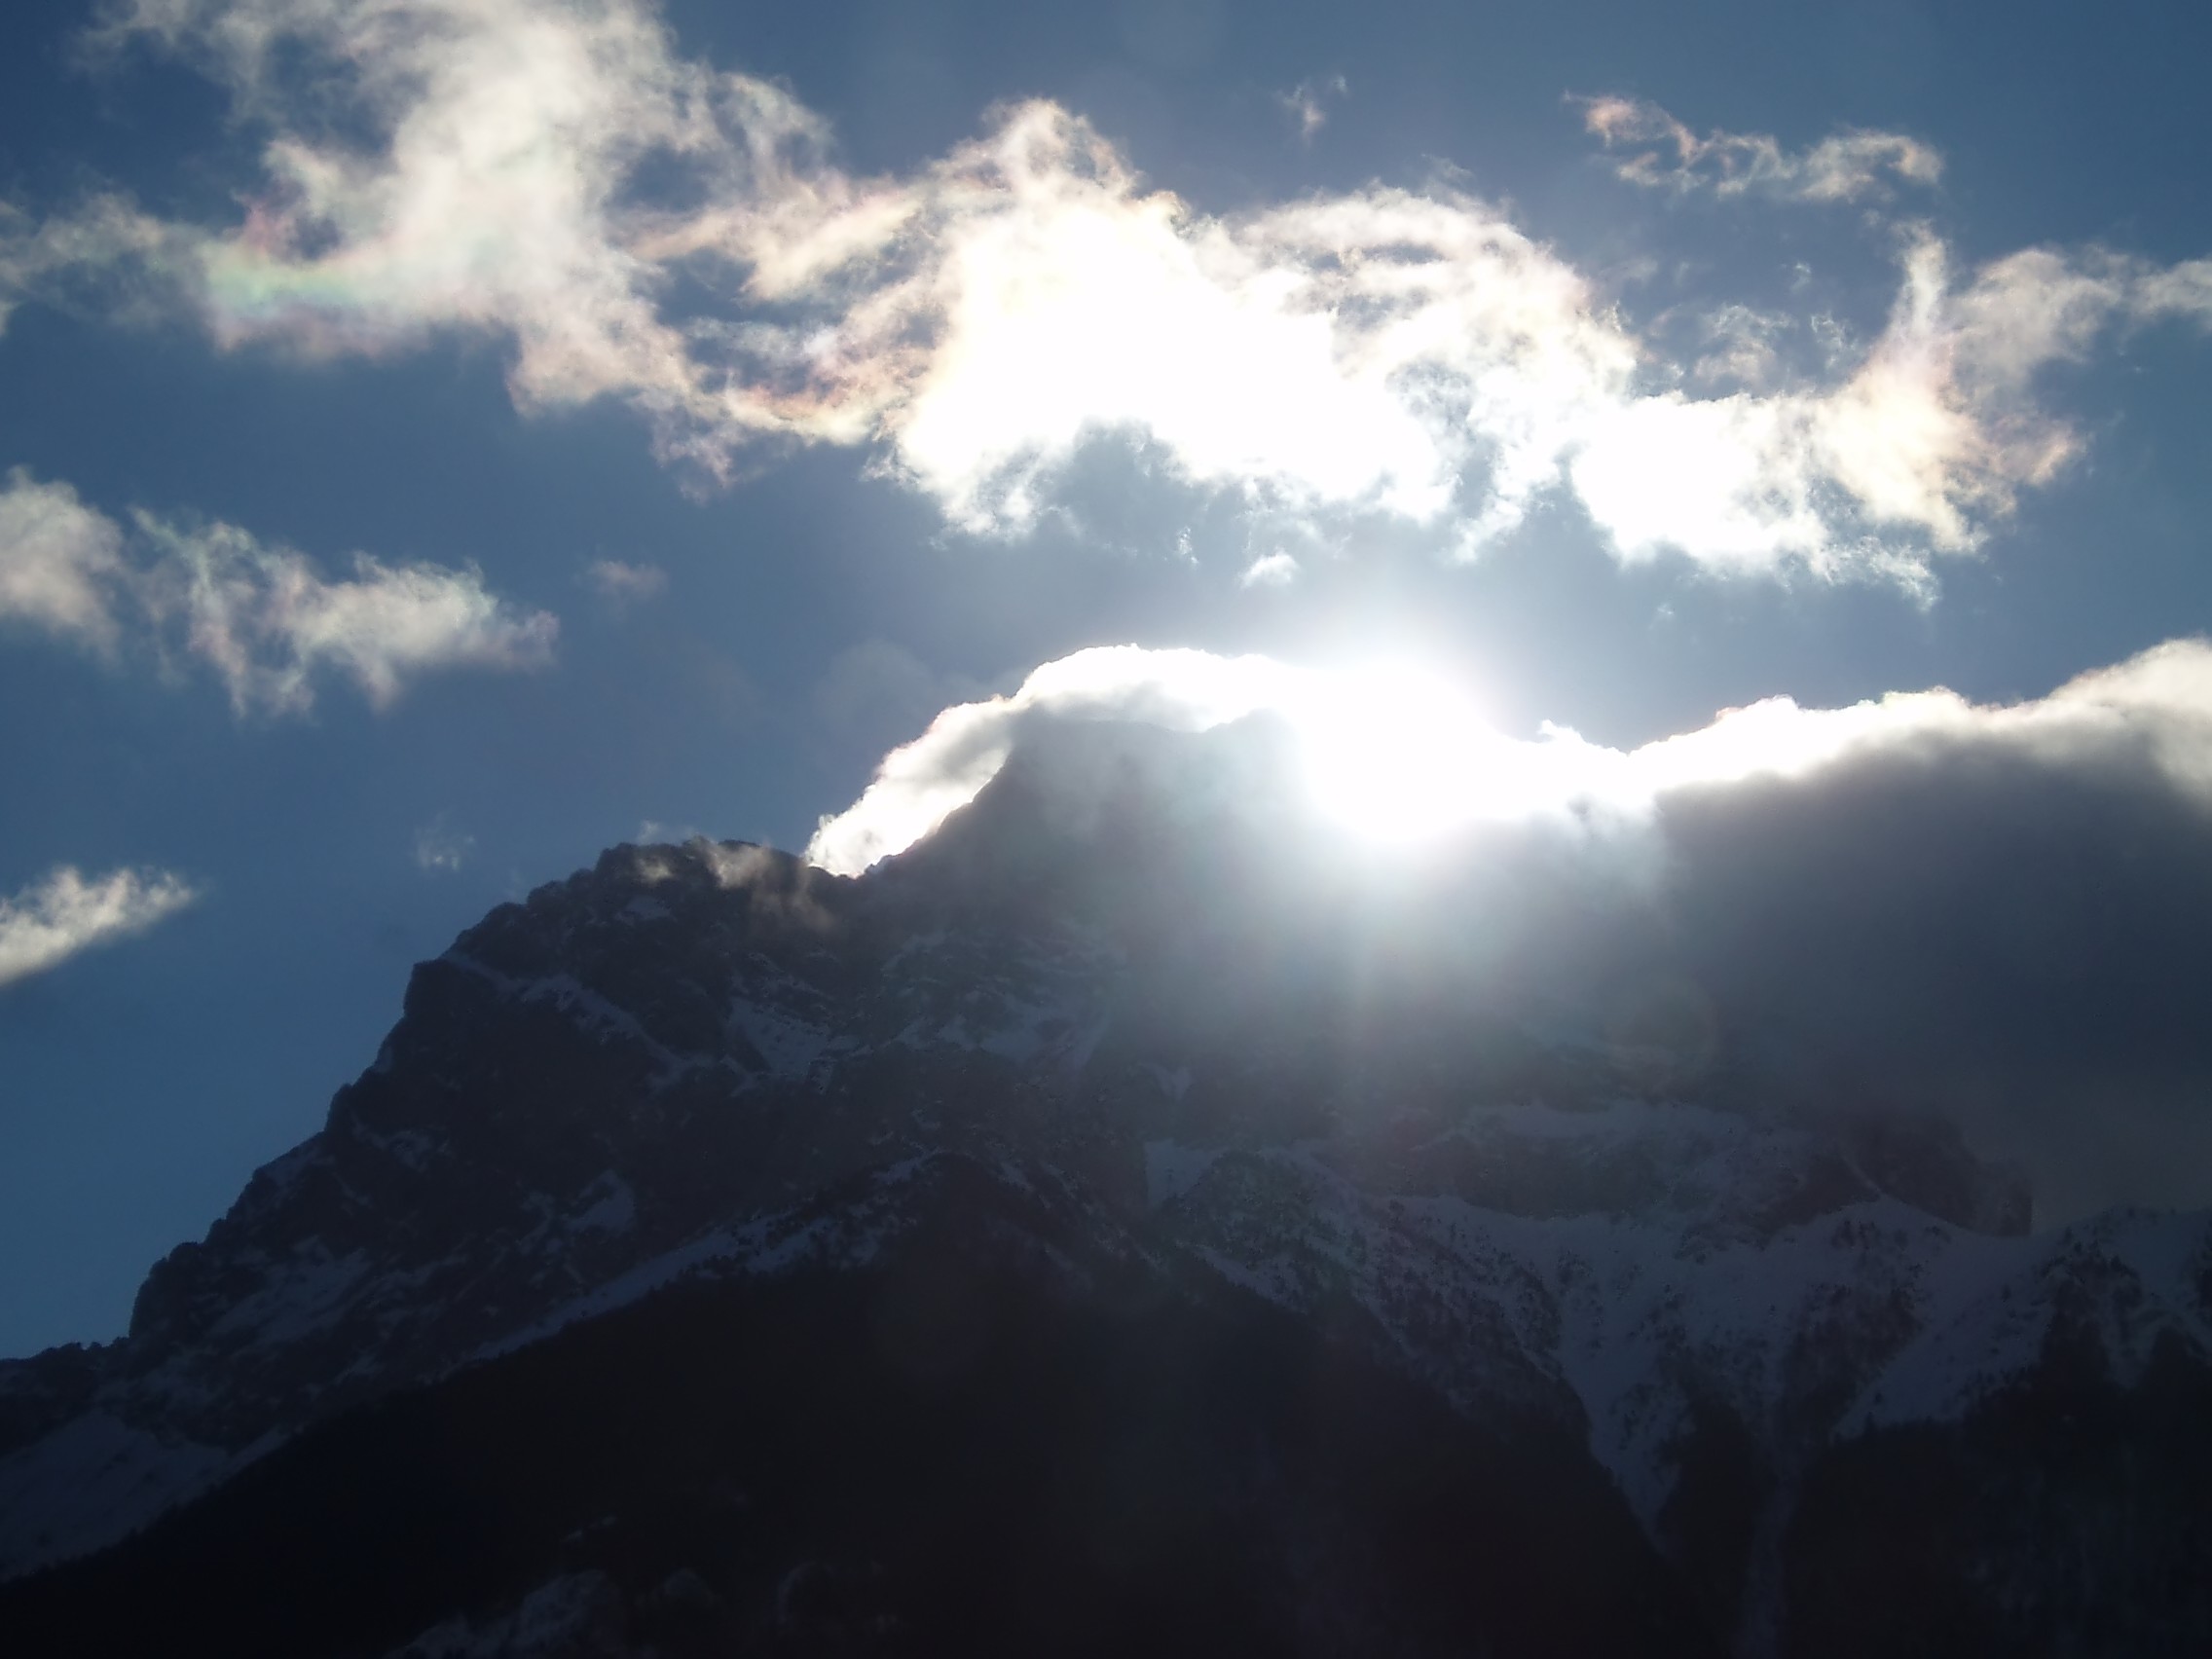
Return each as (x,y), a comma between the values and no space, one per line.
(1119,1220)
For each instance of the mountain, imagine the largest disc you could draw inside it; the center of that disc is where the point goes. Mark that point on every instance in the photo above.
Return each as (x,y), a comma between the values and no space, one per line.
(1124,1218)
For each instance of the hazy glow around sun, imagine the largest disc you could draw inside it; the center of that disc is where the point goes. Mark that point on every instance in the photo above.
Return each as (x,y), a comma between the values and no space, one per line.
(1394,751)
(1399,753)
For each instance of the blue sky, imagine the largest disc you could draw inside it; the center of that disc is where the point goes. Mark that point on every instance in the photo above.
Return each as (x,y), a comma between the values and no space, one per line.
(715,393)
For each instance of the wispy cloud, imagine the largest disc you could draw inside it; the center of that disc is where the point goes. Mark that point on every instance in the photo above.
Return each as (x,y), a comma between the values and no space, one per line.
(108,258)
(1665,154)
(264,619)
(53,919)
(622,585)
(60,561)
(1307,103)
(546,173)
(271,625)
(1271,570)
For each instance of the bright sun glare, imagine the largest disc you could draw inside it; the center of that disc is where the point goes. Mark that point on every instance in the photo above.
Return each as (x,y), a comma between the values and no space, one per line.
(1400,754)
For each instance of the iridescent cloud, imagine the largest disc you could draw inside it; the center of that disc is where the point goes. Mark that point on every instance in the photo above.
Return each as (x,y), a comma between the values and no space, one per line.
(553,174)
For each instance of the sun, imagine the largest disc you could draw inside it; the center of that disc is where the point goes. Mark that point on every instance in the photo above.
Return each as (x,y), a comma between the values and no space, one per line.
(1400,753)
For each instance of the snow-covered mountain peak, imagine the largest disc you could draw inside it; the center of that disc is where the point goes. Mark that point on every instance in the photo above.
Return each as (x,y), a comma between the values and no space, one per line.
(1154,1064)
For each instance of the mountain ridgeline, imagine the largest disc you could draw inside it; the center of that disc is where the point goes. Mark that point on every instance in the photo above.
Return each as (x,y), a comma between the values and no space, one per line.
(1127,1220)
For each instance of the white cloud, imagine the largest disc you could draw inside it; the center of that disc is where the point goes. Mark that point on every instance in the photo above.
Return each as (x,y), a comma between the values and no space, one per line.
(941,771)
(1307,103)
(1270,570)
(1410,353)
(52,920)
(1404,755)
(263,618)
(1848,167)
(60,561)
(506,126)
(269,624)
(1926,439)
(622,585)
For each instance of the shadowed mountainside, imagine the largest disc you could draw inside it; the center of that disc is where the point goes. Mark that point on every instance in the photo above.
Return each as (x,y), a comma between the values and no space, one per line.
(1114,1222)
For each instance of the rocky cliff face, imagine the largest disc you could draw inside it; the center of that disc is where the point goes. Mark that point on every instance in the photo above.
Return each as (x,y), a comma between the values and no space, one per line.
(1184,1099)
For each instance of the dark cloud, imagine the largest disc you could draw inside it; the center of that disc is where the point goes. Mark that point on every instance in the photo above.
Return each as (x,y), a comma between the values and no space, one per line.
(2019,939)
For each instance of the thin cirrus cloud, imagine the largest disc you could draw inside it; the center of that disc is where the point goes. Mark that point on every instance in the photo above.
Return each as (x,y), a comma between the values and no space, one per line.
(1663,153)
(1307,103)
(64,914)
(502,169)
(263,618)
(622,584)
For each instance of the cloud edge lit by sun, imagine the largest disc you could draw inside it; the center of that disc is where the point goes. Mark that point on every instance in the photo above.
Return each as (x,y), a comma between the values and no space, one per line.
(1401,755)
